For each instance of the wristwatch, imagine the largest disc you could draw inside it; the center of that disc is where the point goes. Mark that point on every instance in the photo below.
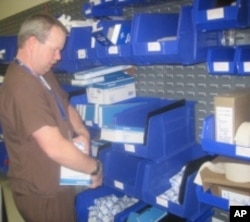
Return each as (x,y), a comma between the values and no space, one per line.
(97,169)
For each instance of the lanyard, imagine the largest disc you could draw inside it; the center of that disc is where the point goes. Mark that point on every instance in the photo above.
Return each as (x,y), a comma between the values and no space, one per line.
(46,85)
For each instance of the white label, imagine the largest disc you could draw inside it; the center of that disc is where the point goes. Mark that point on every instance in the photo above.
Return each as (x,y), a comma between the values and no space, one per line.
(81,53)
(119,184)
(154,46)
(246,66)
(242,151)
(215,14)
(224,124)
(221,66)
(129,148)
(161,201)
(113,50)
(235,199)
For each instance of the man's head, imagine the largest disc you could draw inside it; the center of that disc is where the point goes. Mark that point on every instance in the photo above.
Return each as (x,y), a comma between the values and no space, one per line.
(40,40)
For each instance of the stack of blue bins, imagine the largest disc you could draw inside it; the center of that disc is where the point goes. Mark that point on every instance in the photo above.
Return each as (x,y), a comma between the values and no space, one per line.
(174,38)
(119,52)
(144,170)
(210,145)
(77,54)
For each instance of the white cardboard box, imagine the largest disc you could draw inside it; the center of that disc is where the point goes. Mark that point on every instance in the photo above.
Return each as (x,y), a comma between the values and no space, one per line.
(231,109)
(112,91)
(72,177)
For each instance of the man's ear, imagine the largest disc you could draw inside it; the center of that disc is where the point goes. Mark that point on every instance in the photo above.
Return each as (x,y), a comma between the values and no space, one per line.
(32,41)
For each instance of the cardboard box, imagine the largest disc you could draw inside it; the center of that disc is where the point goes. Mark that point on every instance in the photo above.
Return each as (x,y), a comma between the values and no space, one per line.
(231,109)
(72,177)
(235,196)
(112,91)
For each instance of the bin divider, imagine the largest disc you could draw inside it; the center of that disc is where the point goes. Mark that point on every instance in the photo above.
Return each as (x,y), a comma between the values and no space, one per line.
(161,110)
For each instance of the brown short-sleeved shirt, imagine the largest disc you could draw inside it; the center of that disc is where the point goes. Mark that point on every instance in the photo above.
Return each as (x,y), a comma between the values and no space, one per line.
(25,106)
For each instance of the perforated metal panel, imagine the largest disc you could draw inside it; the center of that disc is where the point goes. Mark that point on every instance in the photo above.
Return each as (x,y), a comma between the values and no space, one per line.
(177,81)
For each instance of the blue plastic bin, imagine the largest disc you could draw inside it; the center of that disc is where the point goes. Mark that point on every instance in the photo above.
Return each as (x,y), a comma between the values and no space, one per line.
(173,40)
(158,183)
(137,176)
(211,146)
(217,148)
(242,56)
(75,55)
(210,16)
(208,198)
(86,199)
(165,133)
(221,61)
(8,48)
(119,53)
(123,172)
(147,49)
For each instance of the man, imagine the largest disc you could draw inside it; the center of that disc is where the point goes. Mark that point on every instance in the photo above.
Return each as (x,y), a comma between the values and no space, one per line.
(40,126)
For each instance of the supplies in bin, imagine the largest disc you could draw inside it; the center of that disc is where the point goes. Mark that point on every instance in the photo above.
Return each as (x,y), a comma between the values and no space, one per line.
(220,177)
(131,126)
(105,201)
(112,91)
(106,208)
(112,32)
(176,194)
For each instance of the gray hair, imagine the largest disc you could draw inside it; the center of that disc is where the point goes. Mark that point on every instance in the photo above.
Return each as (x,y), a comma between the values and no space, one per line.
(39,26)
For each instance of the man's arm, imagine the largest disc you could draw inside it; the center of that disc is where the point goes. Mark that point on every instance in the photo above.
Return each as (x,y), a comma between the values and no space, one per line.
(64,152)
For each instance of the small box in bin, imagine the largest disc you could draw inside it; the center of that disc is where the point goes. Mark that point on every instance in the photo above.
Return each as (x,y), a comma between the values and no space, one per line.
(234,195)
(112,91)
(231,109)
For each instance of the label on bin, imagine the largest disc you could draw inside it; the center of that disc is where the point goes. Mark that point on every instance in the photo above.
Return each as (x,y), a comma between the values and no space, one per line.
(81,54)
(217,13)
(221,66)
(246,66)
(161,201)
(119,184)
(154,46)
(113,50)
(242,151)
(129,148)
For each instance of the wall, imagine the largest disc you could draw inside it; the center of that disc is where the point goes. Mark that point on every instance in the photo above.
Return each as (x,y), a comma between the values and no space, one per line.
(12,7)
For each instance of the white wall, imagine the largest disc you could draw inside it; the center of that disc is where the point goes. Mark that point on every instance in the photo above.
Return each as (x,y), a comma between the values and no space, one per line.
(11,7)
